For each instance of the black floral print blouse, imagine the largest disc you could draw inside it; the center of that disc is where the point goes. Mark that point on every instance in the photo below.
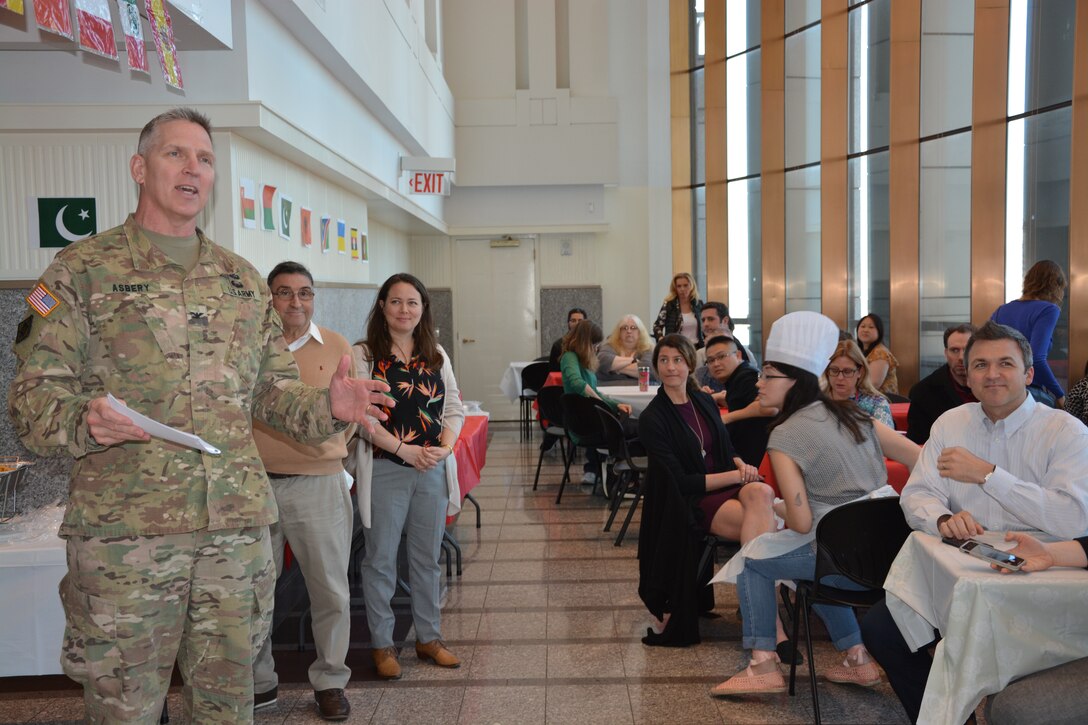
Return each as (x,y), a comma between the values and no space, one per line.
(417,417)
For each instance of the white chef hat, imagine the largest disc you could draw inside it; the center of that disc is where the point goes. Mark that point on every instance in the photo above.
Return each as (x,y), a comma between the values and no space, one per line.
(803,339)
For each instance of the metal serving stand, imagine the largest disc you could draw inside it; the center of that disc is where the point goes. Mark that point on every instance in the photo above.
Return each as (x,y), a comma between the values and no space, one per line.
(12,472)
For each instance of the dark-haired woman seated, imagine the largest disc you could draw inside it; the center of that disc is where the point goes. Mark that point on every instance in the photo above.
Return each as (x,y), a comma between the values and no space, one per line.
(695,484)
(825,453)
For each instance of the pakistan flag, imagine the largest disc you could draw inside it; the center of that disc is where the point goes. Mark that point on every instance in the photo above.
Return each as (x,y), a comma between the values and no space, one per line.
(59,221)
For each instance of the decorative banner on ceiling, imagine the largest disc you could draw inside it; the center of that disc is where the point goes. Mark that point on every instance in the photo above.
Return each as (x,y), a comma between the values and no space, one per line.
(285,216)
(268,218)
(366,249)
(248,190)
(326,243)
(134,35)
(54,16)
(354,243)
(304,223)
(341,230)
(96,27)
(15,6)
(163,31)
(56,222)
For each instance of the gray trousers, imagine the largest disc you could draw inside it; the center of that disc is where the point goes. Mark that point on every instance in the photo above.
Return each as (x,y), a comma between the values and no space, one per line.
(316,519)
(403,499)
(1056,696)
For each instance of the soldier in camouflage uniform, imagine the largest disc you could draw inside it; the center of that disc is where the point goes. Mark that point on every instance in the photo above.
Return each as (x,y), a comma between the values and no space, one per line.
(168,547)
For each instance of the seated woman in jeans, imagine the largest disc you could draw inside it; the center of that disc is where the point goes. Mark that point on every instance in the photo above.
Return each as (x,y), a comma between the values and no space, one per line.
(825,453)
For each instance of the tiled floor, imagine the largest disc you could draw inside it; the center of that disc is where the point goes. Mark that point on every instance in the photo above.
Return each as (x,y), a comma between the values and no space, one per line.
(547,622)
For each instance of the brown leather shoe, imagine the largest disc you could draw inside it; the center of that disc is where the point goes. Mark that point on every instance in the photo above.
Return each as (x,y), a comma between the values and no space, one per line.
(332,704)
(436,651)
(385,660)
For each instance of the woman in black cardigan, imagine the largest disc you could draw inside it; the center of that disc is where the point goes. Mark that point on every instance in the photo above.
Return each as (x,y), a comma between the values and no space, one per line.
(694,485)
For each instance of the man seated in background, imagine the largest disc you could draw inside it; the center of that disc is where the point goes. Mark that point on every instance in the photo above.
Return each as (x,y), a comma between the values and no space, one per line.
(943,389)
(574,316)
(715,321)
(1005,463)
(746,420)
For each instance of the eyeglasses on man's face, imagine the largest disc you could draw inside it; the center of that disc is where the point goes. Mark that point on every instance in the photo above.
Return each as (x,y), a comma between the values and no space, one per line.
(842,372)
(721,357)
(286,293)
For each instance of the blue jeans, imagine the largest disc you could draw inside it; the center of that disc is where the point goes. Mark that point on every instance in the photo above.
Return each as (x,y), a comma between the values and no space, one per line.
(758,606)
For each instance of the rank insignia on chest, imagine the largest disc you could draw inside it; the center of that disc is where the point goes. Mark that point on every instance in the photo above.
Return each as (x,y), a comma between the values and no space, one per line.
(42,301)
(235,287)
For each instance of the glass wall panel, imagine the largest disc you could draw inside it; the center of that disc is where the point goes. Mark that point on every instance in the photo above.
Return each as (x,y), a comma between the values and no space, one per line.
(746,262)
(868,251)
(803,239)
(1040,53)
(698,32)
(742,25)
(802,101)
(944,243)
(800,13)
(698,238)
(948,46)
(742,127)
(869,63)
(1037,210)
(698,126)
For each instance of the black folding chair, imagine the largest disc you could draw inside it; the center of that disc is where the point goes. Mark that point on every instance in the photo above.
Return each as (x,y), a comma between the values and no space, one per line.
(858,540)
(533,377)
(551,423)
(626,468)
(580,419)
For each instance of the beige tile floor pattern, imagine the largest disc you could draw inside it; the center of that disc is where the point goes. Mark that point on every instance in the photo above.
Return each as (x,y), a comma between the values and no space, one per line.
(547,622)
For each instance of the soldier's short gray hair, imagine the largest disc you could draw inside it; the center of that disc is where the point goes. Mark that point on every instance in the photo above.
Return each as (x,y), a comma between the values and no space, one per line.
(147,135)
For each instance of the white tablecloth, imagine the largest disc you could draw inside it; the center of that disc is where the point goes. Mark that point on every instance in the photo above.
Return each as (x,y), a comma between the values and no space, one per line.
(631,395)
(510,384)
(31,617)
(995,627)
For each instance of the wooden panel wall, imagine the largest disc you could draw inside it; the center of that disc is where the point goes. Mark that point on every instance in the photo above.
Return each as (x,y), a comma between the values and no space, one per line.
(773,154)
(834,182)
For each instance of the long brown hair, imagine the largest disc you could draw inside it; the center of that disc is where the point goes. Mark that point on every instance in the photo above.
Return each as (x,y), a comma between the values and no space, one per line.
(1045,281)
(806,390)
(581,340)
(379,342)
(849,349)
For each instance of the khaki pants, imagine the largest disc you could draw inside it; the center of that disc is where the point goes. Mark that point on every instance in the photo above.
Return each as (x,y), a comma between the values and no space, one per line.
(134,604)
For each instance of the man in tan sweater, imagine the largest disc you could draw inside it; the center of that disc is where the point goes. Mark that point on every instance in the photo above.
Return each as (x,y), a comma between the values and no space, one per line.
(315,515)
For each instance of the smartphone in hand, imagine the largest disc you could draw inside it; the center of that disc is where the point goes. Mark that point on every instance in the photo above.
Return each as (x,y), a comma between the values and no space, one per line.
(990,555)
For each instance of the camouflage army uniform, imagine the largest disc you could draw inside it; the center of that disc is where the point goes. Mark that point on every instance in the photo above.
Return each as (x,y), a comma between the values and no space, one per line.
(203,352)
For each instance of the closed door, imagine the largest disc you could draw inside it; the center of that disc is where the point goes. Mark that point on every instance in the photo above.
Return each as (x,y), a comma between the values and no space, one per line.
(495,318)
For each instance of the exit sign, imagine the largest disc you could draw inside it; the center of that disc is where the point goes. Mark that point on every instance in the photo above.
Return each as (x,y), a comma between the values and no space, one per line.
(429,182)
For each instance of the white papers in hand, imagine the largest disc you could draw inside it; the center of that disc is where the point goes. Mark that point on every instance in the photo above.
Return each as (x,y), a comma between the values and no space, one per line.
(157,429)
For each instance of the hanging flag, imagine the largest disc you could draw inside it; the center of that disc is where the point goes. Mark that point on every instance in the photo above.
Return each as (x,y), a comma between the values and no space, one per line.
(96,27)
(304,223)
(134,35)
(354,243)
(163,32)
(366,249)
(341,230)
(268,219)
(56,222)
(285,216)
(326,243)
(54,16)
(15,6)
(248,190)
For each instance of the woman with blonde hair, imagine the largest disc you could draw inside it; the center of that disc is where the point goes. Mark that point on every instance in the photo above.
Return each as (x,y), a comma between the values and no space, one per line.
(628,348)
(1035,315)
(847,378)
(680,311)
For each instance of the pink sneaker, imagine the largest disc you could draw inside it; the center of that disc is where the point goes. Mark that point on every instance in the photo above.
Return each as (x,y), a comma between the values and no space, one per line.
(758,679)
(866,675)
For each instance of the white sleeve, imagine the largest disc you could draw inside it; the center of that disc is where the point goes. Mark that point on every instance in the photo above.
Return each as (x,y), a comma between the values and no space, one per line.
(925,497)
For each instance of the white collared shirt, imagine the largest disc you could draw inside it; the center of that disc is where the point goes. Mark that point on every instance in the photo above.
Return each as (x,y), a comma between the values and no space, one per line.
(1041,479)
(314,332)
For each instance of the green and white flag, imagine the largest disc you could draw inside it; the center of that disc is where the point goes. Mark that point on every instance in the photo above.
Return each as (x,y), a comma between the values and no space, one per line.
(56,222)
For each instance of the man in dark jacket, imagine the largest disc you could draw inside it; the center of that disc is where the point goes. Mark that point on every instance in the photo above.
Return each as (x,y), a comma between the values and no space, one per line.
(746,420)
(943,389)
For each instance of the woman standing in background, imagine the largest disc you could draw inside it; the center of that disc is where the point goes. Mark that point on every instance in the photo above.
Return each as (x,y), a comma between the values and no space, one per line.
(680,311)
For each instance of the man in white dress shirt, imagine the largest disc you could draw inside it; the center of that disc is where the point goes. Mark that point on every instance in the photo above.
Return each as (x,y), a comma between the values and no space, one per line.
(1004,463)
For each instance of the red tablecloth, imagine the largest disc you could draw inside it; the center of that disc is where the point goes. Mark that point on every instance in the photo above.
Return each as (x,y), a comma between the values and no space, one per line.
(899,415)
(470,450)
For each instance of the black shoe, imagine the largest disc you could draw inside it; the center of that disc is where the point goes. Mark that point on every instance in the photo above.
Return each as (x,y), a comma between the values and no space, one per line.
(788,653)
(264,700)
(332,704)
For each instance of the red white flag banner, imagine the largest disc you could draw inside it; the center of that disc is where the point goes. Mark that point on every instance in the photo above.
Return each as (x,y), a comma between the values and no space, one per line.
(134,35)
(15,6)
(96,27)
(163,31)
(54,16)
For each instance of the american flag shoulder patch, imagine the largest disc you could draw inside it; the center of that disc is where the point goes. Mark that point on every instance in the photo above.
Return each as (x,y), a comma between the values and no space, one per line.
(42,301)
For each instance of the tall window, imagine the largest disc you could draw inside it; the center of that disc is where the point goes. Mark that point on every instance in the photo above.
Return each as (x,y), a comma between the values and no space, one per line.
(1039,132)
(698,135)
